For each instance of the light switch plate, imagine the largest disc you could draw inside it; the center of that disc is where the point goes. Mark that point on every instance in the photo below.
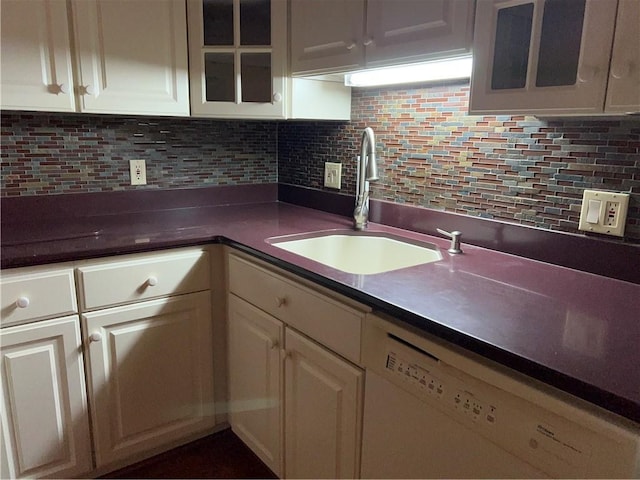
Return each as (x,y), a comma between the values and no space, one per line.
(332,175)
(604,212)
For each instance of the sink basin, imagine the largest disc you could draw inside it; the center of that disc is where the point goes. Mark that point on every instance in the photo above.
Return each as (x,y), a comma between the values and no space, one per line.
(360,253)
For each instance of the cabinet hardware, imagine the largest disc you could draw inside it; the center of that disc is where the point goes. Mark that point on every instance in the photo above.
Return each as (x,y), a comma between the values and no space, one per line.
(22,302)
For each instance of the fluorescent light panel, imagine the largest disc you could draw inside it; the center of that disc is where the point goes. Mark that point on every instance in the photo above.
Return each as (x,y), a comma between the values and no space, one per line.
(448,69)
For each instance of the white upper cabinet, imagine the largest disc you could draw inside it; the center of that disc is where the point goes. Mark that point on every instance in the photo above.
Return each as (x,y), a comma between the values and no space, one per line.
(414,30)
(237,54)
(326,35)
(36,57)
(341,35)
(543,57)
(623,90)
(132,56)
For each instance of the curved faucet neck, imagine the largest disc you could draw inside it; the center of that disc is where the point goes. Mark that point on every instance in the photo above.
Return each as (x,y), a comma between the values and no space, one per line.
(367,171)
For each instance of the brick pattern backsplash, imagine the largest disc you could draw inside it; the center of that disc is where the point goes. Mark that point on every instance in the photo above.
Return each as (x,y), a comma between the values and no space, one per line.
(56,153)
(431,153)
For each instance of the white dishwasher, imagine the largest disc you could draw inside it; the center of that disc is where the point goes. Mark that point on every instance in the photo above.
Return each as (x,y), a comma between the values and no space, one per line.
(433,411)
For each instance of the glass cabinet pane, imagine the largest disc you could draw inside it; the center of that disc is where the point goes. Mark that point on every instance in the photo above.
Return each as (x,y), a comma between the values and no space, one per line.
(511,51)
(560,42)
(255,22)
(219,77)
(256,77)
(217,16)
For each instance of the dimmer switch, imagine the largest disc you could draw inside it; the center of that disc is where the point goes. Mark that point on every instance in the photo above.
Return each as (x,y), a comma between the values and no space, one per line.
(604,212)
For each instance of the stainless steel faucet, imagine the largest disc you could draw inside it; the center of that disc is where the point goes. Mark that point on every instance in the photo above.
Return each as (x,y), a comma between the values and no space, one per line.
(367,172)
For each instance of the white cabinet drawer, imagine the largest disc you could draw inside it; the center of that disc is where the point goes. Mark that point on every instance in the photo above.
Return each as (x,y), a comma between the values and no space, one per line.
(324,319)
(135,278)
(36,294)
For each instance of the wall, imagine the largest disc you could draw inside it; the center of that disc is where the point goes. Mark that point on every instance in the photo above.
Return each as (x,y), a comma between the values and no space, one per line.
(56,153)
(518,169)
(432,154)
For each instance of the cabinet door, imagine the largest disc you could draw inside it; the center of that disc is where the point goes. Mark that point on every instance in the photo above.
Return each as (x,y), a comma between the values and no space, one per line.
(255,386)
(45,424)
(150,372)
(623,91)
(36,56)
(237,53)
(323,412)
(132,56)
(412,30)
(327,35)
(541,56)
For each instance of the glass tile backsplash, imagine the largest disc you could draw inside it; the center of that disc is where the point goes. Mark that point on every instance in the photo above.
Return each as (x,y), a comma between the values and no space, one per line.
(525,170)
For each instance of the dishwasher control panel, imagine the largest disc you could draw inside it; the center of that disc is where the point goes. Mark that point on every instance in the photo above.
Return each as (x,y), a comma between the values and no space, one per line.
(428,381)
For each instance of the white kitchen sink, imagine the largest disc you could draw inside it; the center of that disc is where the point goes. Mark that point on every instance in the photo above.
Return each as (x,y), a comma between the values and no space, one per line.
(360,253)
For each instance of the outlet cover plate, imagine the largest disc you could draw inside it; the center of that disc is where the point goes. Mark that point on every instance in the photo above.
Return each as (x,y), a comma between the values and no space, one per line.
(138,171)
(604,212)
(332,175)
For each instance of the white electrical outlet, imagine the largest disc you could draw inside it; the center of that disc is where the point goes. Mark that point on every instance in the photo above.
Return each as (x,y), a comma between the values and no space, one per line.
(138,170)
(604,212)
(332,175)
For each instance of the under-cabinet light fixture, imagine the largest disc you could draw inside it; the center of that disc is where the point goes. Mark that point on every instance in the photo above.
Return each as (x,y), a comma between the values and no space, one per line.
(448,69)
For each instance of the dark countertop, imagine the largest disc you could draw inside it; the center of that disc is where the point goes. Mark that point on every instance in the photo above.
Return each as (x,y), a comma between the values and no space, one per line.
(574,330)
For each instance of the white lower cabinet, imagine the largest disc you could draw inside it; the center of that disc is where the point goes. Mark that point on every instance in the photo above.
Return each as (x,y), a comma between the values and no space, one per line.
(143,340)
(150,374)
(292,400)
(149,351)
(45,427)
(255,380)
(323,399)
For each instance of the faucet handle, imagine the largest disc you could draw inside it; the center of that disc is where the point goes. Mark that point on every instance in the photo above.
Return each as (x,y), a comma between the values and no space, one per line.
(455,237)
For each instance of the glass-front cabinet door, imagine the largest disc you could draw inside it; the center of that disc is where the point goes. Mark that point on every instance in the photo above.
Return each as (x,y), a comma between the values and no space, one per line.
(541,56)
(237,58)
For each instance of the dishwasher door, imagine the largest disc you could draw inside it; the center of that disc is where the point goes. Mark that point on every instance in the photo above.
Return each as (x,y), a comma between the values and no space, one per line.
(433,410)
(404,438)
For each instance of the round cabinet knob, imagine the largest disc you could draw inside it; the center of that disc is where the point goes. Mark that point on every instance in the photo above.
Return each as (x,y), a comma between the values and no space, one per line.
(587,73)
(351,46)
(285,354)
(621,71)
(273,344)
(22,302)
(95,337)
(368,41)
(281,301)
(85,90)
(57,88)
(277,97)
(152,281)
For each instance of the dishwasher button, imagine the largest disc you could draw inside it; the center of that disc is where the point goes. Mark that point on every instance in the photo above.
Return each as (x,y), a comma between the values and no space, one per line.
(491,415)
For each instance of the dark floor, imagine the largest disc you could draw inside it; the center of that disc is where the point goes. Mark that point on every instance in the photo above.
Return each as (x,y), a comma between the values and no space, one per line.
(221,455)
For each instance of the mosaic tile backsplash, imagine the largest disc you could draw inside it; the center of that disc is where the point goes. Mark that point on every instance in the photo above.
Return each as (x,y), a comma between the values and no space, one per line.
(55,153)
(431,153)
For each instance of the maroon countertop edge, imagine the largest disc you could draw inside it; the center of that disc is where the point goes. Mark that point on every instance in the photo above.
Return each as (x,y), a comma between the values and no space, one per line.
(573,330)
